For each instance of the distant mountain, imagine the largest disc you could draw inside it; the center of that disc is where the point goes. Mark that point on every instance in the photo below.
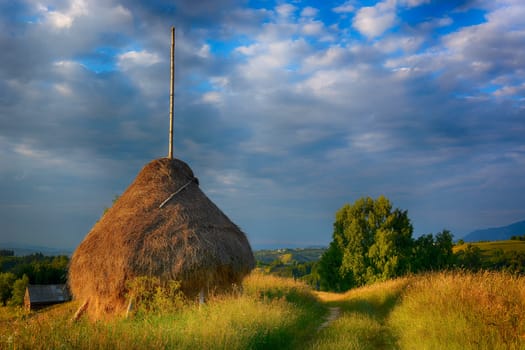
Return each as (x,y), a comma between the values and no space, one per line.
(496,233)
(23,249)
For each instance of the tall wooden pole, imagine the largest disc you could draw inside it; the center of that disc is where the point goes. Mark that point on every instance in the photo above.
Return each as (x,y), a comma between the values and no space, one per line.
(172,88)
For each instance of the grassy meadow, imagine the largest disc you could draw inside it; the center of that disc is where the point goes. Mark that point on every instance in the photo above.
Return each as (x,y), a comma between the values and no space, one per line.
(446,310)
(490,247)
(272,313)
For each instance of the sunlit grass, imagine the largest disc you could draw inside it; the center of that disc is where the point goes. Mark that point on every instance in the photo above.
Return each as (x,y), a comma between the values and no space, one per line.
(271,313)
(488,248)
(363,324)
(447,310)
(462,310)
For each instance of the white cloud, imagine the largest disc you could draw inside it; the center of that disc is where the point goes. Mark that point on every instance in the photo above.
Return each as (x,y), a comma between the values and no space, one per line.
(132,59)
(204,51)
(346,7)
(374,21)
(248,50)
(406,43)
(212,97)
(66,66)
(41,156)
(64,19)
(266,58)
(309,11)
(60,20)
(64,89)
(372,142)
(330,57)
(121,12)
(219,81)
(413,3)
(328,83)
(511,91)
(285,10)
(313,28)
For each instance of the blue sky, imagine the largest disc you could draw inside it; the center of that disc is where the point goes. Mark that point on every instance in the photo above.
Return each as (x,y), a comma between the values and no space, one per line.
(284,110)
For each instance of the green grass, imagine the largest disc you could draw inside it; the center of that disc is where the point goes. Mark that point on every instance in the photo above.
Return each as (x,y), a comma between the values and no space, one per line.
(300,255)
(449,310)
(272,313)
(462,310)
(488,248)
(364,320)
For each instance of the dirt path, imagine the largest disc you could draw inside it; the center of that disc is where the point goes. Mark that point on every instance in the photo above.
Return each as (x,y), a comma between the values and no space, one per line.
(333,314)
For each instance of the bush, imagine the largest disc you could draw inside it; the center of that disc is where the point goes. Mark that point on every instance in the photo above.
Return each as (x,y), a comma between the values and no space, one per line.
(150,295)
(19,291)
(7,279)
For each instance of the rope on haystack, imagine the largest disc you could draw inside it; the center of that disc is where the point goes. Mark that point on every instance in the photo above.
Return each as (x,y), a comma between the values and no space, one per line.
(176,192)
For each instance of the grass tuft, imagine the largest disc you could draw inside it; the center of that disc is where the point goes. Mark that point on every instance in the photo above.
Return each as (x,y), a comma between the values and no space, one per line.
(463,310)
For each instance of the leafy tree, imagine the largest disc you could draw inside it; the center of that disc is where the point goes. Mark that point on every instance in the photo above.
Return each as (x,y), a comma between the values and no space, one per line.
(424,253)
(433,253)
(330,277)
(470,258)
(312,277)
(371,242)
(7,279)
(6,252)
(19,290)
(444,244)
(515,262)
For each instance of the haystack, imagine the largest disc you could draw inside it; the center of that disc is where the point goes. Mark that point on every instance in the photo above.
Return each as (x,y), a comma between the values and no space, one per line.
(188,239)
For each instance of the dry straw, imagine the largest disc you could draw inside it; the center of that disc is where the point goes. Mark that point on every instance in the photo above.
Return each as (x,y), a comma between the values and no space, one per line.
(189,240)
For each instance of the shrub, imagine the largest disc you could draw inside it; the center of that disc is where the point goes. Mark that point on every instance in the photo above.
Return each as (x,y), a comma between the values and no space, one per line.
(19,291)
(150,295)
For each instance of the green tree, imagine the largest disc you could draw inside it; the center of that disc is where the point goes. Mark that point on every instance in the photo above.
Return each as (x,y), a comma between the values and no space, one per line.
(7,279)
(19,291)
(470,257)
(7,252)
(329,270)
(424,253)
(371,242)
(445,255)
(433,253)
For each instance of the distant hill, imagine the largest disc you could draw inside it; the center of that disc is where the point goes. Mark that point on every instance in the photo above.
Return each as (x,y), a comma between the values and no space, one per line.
(496,233)
(22,249)
(301,255)
(489,249)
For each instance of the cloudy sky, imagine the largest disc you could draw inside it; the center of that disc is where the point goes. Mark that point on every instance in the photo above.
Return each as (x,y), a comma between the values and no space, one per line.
(284,110)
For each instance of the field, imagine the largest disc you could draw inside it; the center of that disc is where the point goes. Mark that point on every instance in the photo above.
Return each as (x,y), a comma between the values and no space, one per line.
(489,248)
(453,310)
(300,255)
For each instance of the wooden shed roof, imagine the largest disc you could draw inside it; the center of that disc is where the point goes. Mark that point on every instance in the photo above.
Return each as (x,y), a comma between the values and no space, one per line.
(45,293)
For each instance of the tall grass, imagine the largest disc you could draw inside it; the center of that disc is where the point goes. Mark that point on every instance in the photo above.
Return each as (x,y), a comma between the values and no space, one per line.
(448,310)
(462,310)
(272,313)
(363,324)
